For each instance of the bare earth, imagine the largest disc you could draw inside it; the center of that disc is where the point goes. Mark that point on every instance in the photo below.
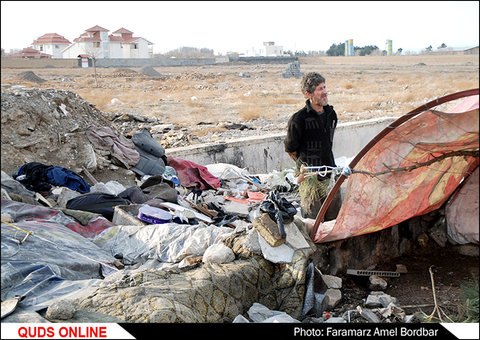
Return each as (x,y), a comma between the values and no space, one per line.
(207,98)
(202,102)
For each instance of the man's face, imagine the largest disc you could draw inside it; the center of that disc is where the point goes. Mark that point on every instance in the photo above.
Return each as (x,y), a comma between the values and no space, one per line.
(319,95)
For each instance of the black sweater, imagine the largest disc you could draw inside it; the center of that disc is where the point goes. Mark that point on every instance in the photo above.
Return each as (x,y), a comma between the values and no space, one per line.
(310,134)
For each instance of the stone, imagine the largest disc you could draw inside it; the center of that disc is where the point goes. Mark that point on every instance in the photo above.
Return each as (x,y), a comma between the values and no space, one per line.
(377,283)
(401,268)
(60,310)
(334,297)
(268,229)
(379,299)
(236,209)
(332,281)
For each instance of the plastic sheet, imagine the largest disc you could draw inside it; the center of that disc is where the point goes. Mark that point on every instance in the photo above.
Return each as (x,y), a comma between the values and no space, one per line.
(51,263)
(169,242)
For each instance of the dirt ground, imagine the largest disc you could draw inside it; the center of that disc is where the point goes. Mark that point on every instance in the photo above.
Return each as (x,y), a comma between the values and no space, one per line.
(202,103)
(413,290)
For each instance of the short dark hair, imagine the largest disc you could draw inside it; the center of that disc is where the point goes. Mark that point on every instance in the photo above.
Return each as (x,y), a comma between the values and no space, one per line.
(310,81)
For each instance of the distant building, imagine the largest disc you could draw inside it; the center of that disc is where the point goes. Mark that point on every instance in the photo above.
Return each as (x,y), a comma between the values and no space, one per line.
(473,50)
(269,50)
(97,43)
(30,53)
(272,50)
(51,43)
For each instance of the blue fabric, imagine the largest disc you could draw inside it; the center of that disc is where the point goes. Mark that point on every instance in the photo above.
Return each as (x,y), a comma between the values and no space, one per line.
(63,177)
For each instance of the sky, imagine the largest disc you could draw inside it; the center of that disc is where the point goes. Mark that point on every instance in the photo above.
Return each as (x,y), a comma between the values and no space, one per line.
(243,26)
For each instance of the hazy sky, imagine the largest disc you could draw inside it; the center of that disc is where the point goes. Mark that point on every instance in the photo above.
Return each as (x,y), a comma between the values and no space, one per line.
(241,26)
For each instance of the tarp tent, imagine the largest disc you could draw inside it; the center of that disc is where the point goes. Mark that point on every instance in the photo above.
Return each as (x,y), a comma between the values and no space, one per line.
(409,169)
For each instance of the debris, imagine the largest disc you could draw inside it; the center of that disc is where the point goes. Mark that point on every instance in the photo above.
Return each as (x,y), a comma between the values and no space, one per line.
(377,283)
(401,268)
(260,313)
(269,230)
(218,253)
(368,315)
(379,299)
(61,310)
(360,272)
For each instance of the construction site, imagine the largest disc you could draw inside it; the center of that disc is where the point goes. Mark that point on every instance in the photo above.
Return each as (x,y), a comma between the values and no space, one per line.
(153,194)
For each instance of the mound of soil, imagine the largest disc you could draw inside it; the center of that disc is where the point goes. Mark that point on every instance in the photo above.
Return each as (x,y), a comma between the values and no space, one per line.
(30,76)
(149,71)
(48,126)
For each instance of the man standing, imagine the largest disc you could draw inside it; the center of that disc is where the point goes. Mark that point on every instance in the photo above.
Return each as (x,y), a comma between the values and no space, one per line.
(309,142)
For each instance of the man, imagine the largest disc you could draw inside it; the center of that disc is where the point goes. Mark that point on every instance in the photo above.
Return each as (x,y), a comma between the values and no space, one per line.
(309,142)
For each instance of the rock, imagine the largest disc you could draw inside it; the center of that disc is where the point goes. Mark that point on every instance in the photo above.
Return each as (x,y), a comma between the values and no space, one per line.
(377,283)
(439,232)
(236,209)
(332,281)
(468,249)
(334,297)
(64,195)
(401,268)
(61,310)
(268,229)
(218,253)
(379,299)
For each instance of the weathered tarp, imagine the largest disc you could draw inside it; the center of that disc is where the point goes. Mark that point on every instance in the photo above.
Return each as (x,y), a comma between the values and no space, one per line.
(411,171)
(461,212)
(53,262)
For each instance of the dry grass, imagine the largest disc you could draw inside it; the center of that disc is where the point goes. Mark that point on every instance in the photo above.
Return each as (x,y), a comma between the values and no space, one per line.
(359,88)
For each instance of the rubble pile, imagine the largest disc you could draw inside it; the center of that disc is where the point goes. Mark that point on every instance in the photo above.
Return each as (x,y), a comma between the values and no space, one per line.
(46,126)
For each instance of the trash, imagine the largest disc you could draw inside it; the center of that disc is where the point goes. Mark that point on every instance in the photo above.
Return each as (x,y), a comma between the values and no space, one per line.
(279,209)
(218,253)
(97,202)
(259,313)
(377,283)
(153,215)
(269,230)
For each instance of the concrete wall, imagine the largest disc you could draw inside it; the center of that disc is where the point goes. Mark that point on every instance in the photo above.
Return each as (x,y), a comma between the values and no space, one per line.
(266,153)
(38,63)
(141,62)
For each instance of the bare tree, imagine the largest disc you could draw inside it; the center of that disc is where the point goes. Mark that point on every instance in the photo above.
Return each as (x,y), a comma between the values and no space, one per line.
(94,53)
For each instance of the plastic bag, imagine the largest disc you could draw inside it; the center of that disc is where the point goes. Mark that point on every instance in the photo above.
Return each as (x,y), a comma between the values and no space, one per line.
(279,209)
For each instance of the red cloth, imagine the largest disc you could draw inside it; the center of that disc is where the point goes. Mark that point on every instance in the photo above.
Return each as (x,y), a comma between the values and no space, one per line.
(194,175)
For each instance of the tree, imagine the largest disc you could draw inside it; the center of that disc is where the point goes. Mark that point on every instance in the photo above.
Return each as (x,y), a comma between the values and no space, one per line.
(442,46)
(336,50)
(429,48)
(94,53)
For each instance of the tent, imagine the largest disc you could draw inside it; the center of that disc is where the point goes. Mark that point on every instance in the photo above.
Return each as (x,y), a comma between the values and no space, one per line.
(410,168)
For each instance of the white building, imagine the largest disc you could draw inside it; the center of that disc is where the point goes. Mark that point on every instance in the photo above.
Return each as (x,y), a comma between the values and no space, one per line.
(272,50)
(97,43)
(52,44)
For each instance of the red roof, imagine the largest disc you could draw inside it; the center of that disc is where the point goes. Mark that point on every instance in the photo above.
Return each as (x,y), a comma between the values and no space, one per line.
(96,29)
(122,30)
(30,53)
(51,38)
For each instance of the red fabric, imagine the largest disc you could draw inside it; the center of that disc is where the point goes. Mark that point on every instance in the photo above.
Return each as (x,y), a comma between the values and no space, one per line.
(193,175)
(373,203)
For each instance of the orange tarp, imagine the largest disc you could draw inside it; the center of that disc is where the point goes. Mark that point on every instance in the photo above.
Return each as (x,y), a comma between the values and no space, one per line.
(411,171)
